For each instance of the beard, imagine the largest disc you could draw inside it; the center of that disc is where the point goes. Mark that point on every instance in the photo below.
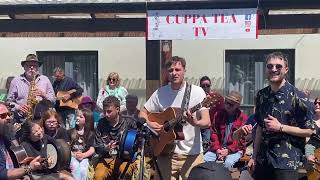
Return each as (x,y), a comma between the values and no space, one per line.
(279,80)
(6,131)
(30,73)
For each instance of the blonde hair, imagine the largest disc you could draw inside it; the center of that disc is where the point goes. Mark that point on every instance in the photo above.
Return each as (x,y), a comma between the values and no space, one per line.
(114,75)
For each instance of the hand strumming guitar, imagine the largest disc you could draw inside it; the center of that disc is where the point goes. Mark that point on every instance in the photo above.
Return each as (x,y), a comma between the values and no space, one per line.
(193,121)
(66,97)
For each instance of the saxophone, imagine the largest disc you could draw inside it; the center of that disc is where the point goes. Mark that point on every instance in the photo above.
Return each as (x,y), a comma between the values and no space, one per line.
(32,99)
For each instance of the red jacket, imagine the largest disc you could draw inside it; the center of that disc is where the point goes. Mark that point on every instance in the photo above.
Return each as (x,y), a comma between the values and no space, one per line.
(218,131)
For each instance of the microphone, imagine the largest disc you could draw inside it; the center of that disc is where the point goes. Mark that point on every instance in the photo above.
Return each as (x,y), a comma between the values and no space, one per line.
(143,122)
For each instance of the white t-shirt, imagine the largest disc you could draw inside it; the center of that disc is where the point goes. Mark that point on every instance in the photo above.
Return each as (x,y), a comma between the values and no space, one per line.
(166,97)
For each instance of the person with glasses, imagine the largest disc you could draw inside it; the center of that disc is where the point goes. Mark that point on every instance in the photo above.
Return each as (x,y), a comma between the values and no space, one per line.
(313,143)
(64,83)
(226,122)
(205,84)
(51,123)
(284,117)
(7,170)
(113,88)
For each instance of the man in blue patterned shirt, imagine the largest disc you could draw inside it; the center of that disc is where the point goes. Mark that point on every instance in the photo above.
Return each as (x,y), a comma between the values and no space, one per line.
(284,117)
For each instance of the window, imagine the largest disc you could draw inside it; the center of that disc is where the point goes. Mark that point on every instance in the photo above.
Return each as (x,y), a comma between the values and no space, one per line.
(245,72)
(82,66)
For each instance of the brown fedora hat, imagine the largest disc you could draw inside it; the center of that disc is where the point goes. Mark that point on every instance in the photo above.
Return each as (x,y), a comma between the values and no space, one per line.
(31,58)
(234,96)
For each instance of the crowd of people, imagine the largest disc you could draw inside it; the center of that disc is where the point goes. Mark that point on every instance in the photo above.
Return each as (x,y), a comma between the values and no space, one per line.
(209,130)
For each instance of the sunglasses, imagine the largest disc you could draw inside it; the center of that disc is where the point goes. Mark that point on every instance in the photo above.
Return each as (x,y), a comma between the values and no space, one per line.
(4,115)
(205,85)
(229,103)
(316,103)
(110,79)
(278,66)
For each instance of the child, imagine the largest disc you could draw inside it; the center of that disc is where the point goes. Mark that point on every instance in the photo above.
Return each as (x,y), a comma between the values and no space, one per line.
(81,140)
(51,123)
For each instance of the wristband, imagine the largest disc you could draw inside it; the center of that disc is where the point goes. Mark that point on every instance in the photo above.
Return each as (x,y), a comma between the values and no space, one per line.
(281,128)
(27,169)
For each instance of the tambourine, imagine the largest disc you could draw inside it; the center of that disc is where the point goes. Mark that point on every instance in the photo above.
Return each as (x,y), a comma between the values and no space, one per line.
(58,155)
(128,147)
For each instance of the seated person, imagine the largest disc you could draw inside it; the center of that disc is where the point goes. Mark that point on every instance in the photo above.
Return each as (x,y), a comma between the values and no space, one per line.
(314,142)
(51,123)
(131,106)
(86,102)
(7,170)
(107,138)
(35,143)
(226,121)
(81,138)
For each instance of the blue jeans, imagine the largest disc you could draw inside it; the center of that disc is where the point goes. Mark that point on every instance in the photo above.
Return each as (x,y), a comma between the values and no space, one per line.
(230,160)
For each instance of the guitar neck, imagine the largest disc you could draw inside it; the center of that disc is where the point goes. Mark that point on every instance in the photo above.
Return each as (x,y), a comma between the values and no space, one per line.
(192,110)
(195,108)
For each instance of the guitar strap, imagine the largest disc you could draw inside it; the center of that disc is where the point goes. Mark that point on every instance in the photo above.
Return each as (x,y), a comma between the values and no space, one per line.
(184,108)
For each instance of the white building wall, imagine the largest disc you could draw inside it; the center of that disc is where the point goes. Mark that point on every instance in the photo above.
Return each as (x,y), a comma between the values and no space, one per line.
(127,55)
(124,55)
(206,57)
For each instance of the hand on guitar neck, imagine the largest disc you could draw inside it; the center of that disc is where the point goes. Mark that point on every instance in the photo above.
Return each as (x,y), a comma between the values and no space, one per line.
(66,99)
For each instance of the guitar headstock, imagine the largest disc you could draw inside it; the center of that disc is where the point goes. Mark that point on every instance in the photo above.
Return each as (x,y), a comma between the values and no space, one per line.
(213,99)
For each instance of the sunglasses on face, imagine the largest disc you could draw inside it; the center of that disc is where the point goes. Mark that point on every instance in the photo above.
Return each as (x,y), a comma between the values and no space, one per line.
(278,66)
(205,85)
(52,122)
(112,79)
(4,115)
(317,103)
(230,104)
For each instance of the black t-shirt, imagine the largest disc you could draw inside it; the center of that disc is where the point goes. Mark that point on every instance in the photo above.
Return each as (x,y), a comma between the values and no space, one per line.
(60,134)
(39,148)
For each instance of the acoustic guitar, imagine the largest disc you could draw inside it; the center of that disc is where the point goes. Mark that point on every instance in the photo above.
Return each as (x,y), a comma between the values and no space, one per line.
(314,174)
(170,118)
(72,103)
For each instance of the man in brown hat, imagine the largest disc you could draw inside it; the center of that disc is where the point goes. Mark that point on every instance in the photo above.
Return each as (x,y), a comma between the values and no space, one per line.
(20,86)
(226,121)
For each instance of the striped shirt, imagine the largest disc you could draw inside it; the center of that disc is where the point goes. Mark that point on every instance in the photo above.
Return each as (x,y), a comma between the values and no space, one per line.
(19,90)
(105,133)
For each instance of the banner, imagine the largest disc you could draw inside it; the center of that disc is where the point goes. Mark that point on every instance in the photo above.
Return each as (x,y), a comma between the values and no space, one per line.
(202,24)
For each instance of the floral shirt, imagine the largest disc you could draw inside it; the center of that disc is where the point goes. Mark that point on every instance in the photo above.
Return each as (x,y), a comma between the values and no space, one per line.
(291,107)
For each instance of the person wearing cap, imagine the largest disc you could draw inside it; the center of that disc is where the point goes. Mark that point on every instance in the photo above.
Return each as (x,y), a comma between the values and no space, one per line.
(284,117)
(20,86)
(226,121)
(88,103)
(65,83)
